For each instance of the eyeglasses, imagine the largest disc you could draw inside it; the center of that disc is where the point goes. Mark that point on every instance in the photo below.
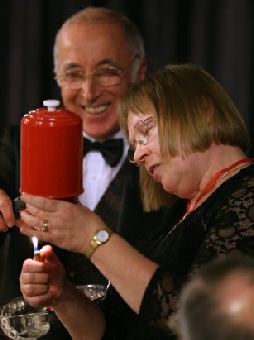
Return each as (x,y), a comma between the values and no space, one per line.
(73,79)
(143,131)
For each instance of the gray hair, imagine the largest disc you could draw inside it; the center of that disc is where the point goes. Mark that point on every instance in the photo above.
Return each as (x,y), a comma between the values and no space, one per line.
(102,15)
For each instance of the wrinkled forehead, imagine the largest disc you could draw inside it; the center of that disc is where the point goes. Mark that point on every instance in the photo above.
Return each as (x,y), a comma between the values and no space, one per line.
(95,48)
(104,38)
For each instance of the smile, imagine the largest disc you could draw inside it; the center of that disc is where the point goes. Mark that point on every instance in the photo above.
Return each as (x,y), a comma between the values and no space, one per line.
(95,110)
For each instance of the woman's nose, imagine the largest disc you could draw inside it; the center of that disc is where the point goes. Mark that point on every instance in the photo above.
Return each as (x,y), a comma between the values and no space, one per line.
(140,153)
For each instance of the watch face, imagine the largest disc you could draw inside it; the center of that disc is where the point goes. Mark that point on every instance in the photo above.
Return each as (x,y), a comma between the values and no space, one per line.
(102,236)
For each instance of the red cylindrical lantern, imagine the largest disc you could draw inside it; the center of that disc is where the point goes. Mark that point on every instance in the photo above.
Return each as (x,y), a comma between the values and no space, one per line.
(51,152)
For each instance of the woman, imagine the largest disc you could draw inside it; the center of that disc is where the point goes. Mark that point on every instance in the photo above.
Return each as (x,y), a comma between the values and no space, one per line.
(190,141)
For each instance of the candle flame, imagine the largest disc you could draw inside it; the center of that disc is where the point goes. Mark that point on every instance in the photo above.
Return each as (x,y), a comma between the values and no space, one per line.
(35,243)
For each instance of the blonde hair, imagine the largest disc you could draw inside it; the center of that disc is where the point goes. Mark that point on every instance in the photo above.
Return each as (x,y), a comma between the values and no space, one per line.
(193,111)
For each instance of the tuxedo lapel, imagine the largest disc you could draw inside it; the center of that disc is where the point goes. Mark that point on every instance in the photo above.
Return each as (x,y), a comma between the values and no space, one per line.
(121,191)
(120,207)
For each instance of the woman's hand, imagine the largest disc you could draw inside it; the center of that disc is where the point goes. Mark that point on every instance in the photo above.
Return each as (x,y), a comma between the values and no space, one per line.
(42,283)
(69,226)
(7,217)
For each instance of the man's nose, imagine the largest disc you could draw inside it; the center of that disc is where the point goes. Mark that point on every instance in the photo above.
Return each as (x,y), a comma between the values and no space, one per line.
(90,89)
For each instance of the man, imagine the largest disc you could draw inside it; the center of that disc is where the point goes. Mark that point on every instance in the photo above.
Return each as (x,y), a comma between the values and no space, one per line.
(98,55)
(218,303)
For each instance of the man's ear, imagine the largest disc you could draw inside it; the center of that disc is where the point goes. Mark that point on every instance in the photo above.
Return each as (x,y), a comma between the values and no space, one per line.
(142,70)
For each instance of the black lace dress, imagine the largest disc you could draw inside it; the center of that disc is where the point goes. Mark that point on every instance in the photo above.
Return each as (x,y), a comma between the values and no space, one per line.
(223,224)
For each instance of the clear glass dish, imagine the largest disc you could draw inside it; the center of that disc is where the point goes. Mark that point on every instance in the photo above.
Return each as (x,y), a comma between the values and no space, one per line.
(19,320)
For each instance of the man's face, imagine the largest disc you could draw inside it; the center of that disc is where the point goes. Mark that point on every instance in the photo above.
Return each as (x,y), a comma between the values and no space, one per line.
(87,48)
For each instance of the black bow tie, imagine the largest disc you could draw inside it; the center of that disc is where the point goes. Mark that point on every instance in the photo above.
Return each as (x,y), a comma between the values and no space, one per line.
(111,149)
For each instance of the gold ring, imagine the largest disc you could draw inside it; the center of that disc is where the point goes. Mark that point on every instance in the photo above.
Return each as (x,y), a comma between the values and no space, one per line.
(45,225)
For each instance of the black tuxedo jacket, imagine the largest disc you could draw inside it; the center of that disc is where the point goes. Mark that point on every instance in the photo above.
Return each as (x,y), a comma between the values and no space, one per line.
(131,222)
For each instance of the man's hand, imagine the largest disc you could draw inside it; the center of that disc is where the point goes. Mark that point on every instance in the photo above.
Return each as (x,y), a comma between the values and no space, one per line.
(7,217)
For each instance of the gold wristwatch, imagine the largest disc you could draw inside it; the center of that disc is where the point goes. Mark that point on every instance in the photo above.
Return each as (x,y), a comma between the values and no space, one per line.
(101,237)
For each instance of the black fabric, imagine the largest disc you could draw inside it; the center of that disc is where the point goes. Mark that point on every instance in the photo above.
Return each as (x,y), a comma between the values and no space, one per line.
(79,269)
(10,161)
(111,149)
(223,224)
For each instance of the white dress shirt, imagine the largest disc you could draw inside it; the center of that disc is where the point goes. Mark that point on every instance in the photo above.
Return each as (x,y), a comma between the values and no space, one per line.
(97,174)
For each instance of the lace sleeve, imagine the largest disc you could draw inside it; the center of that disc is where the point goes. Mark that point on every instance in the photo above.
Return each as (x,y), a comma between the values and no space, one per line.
(229,225)
(221,225)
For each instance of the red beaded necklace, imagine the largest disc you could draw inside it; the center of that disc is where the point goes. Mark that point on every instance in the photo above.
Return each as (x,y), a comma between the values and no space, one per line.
(217,177)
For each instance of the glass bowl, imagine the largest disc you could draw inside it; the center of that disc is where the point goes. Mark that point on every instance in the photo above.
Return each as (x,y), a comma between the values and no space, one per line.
(19,320)
(94,292)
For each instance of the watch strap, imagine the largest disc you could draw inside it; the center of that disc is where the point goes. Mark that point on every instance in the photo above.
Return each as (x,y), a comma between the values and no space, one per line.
(94,244)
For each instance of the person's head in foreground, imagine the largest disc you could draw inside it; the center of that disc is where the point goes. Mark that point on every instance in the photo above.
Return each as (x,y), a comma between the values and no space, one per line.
(98,55)
(180,122)
(218,303)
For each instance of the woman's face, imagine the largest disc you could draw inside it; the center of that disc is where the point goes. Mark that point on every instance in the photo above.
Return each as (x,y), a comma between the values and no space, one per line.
(179,175)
